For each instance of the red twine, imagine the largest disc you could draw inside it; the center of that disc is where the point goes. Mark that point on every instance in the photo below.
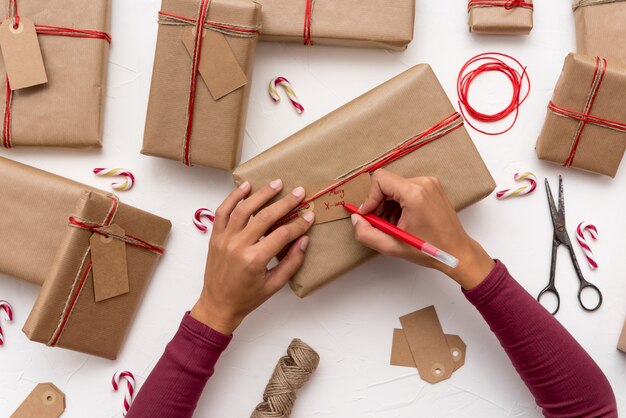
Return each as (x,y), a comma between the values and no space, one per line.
(41,30)
(308,37)
(508,5)
(488,62)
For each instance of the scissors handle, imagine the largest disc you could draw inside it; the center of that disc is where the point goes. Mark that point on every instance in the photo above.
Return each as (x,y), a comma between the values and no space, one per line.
(586,285)
(552,290)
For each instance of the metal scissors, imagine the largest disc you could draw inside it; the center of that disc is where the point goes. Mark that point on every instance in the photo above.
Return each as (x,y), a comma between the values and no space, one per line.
(561,237)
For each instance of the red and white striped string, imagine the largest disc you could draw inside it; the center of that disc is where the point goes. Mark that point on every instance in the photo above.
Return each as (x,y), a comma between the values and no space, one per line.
(7,314)
(520,191)
(130,387)
(286,85)
(203,213)
(584,244)
(129,178)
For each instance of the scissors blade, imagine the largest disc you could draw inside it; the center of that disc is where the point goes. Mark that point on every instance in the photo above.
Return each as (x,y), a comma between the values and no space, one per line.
(561,200)
(554,214)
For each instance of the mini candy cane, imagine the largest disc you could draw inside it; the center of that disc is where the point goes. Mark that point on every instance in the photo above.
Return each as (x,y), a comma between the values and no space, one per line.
(580,236)
(521,191)
(5,307)
(130,384)
(282,81)
(197,218)
(112,172)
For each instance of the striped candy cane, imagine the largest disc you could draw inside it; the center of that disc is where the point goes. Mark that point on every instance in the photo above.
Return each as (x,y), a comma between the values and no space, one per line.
(130,386)
(520,191)
(580,236)
(7,311)
(197,218)
(282,81)
(113,172)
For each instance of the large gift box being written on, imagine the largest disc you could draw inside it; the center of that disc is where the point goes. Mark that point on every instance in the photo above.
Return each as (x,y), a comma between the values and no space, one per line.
(92,254)
(406,125)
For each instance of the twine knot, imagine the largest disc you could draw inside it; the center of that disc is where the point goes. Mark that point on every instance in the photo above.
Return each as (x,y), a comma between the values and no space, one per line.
(511,4)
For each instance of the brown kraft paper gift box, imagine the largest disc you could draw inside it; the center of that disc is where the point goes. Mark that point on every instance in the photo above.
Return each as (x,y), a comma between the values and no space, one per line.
(36,207)
(500,17)
(601,28)
(218,118)
(67,111)
(360,132)
(585,126)
(356,23)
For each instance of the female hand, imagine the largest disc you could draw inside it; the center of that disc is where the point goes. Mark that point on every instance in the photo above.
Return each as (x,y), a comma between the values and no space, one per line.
(236,279)
(421,207)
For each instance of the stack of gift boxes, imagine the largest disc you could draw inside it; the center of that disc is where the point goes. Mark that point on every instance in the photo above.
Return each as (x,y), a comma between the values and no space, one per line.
(198,101)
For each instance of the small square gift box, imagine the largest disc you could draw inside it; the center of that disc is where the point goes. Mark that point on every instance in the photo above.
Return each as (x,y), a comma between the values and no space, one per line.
(500,17)
(92,254)
(586,123)
(406,125)
(53,72)
(201,81)
(384,24)
(601,28)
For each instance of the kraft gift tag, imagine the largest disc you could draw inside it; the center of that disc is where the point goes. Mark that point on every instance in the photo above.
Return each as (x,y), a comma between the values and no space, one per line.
(109,266)
(219,68)
(45,401)
(428,345)
(329,207)
(401,352)
(621,344)
(22,55)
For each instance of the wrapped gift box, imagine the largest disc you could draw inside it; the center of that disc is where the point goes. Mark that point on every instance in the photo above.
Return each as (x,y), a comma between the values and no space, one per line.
(500,17)
(357,23)
(600,28)
(67,111)
(47,224)
(586,123)
(405,108)
(212,133)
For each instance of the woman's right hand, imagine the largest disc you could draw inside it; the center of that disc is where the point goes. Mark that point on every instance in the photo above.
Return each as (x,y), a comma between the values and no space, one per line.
(421,207)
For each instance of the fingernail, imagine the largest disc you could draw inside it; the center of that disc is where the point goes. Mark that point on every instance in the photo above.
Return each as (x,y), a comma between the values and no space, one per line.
(361,208)
(244,185)
(276,184)
(304,243)
(355,219)
(298,192)
(309,216)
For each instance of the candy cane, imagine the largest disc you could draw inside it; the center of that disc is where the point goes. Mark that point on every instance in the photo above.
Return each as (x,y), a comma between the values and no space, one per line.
(521,191)
(197,218)
(112,172)
(580,236)
(130,385)
(5,307)
(282,81)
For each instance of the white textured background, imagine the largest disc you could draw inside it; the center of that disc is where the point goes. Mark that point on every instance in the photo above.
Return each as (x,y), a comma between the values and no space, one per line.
(349,322)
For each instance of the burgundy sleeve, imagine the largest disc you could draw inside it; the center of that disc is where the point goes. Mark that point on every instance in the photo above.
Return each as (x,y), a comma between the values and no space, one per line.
(177,381)
(562,377)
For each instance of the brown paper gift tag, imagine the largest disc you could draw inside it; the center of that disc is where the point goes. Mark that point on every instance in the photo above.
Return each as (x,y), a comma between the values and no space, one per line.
(22,54)
(621,344)
(329,207)
(108,258)
(218,66)
(428,345)
(401,352)
(45,401)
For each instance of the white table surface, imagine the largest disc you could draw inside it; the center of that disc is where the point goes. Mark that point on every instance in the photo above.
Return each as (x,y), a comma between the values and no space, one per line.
(350,321)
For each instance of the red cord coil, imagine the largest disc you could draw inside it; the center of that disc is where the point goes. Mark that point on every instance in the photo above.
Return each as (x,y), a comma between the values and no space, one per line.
(489,62)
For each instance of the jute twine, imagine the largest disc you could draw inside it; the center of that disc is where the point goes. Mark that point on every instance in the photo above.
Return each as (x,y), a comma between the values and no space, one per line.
(290,374)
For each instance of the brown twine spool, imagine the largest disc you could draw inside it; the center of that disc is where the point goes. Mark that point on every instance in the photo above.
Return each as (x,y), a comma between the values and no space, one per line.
(290,374)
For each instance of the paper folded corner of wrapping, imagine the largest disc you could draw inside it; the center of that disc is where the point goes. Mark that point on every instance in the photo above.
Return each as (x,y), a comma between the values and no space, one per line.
(585,126)
(386,24)
(406,125)
(73,41)
(199,92)
(600,28)
(500,17)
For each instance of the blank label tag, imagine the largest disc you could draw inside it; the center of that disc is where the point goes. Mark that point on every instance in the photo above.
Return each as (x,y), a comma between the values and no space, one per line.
(329,207)
(45,401)
(219,68)
(22,55)
(401,352)
(108,258)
